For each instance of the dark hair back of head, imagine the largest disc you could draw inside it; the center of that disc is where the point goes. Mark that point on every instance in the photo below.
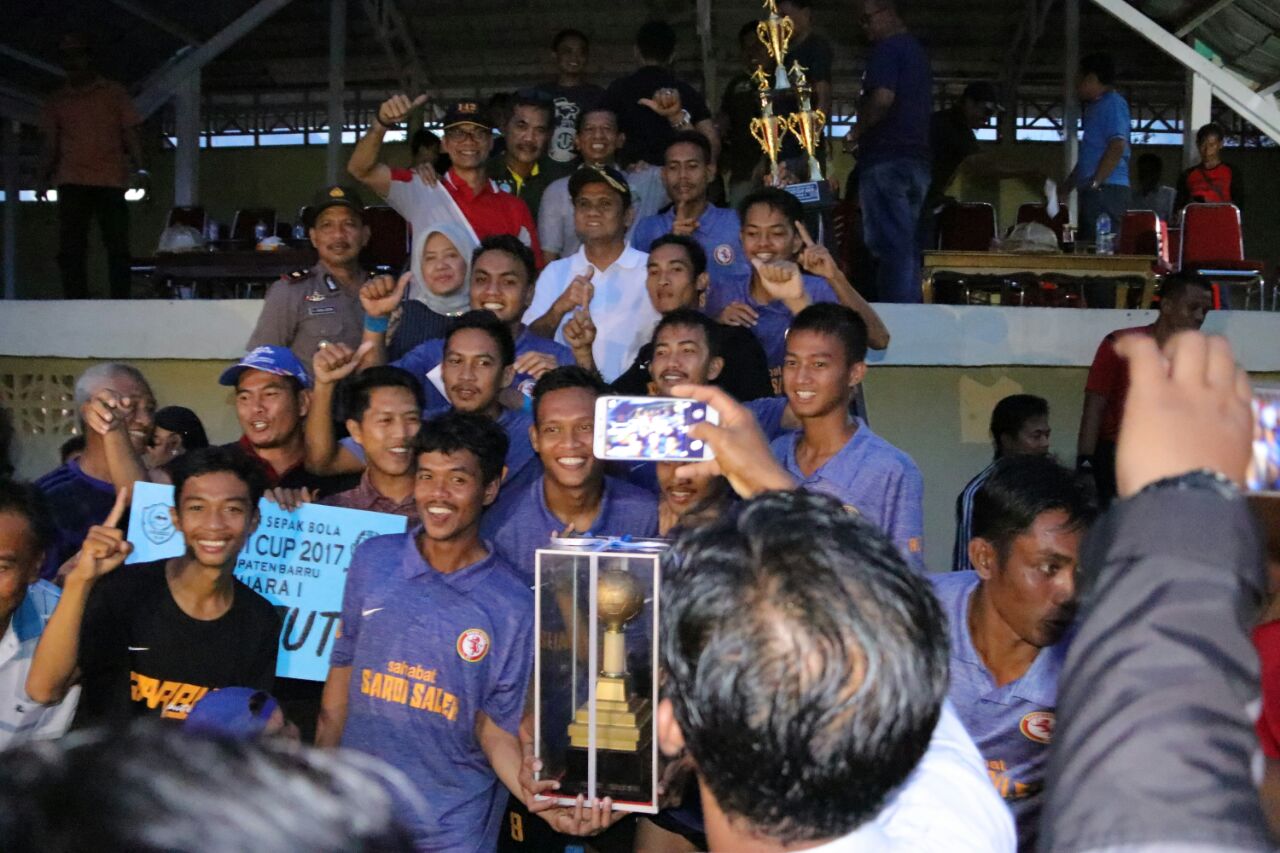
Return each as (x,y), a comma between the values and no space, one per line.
(1011,413)
(838,321)
(423,138)
(806,663)
(1100,65)
(24,499)
(213,460)
(1210,129)
(537,102)
(486,321)
(154,788)
(567,376)
(569,33)
(691,318)
(690,137)
(1018,490)
(456,431)
(1175,285)
(510,244)
(357,390)
(656,41)
(697,254)
(774,199)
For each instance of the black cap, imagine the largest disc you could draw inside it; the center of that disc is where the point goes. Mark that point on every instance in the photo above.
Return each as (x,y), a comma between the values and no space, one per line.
(982,92)
(600,175)
(185,423)
(334,196)
(467,111)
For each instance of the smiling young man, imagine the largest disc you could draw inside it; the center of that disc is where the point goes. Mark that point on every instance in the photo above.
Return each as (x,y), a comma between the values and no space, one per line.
(788,273)
(311,307)
(835,452)
(603,281)
(687,174)
(1009,621)
(383,408)
(153,639)
(676,278)
(573,494)
(433,662)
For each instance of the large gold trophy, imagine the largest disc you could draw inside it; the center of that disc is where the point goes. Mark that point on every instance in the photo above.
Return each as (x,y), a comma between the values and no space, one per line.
(806,122)
(622,717)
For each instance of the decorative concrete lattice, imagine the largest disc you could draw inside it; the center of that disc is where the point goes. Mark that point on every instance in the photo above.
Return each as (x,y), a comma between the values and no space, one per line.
(41,404)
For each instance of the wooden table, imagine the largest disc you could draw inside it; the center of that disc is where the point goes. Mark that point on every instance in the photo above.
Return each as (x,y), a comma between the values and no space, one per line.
(1048,263)
(237,266)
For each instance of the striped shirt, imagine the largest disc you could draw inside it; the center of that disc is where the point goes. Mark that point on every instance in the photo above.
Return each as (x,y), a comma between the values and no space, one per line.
(964,520)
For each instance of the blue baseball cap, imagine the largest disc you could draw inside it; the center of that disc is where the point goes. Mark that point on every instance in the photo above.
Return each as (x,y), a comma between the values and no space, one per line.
(241,713)
(270,359)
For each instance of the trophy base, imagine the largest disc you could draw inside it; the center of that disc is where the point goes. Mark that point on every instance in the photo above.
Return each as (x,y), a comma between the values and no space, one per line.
(620,774)
(813,195)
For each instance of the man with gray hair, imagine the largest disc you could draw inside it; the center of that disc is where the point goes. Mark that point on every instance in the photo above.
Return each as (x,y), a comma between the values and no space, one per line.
(117,417)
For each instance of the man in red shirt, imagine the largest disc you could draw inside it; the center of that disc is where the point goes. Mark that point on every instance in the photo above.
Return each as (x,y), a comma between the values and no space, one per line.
(1185,299)
(90,134)
(464,195)
(1210,180)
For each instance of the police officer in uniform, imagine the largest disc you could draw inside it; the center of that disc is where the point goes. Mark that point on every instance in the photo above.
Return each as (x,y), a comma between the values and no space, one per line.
(320,305)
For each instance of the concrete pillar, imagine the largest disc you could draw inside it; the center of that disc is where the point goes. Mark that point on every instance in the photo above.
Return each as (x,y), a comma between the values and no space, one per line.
(9,154)
(186,161)
(337,85)
(1199,101)
(1070,104)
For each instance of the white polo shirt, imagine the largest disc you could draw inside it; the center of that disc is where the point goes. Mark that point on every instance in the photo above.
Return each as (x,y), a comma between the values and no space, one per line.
(620,308)
(21,719)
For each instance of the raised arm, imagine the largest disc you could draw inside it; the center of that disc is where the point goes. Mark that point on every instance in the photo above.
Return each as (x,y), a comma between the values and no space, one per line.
(330,365)
(817,259)
(364,165)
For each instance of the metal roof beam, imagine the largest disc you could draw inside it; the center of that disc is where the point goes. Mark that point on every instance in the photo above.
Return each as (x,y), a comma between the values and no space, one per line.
(1203,15)
(1260,111)
(393,33)
(33,61)
(160,22)
(165,82)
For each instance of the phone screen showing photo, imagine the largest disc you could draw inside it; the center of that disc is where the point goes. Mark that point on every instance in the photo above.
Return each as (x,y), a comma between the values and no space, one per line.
(652,429)
(1264,462)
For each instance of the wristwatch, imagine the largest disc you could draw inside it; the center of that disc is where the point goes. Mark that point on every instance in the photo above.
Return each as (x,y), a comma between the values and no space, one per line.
(1203,479)
(685,122)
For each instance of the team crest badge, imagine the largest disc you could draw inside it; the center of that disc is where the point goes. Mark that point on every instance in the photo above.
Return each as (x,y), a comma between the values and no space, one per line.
(157,523)
(723,254)
(1038,726)
(473,645)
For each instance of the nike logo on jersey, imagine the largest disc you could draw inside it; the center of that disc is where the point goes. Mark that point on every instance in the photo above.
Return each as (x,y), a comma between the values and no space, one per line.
(370,611)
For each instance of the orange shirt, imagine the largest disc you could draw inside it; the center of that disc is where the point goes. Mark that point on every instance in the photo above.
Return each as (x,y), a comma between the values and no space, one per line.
(87,125)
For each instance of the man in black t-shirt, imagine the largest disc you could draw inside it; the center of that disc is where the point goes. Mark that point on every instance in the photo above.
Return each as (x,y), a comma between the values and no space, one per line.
(652,104)
(154,638)
(815,55)
(570,94)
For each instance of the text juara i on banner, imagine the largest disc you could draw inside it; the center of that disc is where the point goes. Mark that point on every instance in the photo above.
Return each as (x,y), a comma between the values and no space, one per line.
(297,560)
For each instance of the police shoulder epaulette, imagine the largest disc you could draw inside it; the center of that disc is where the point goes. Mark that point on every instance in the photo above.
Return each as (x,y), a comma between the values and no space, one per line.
(297,275)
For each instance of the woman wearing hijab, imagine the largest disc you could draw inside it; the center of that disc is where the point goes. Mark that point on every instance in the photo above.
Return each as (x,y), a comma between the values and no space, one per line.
(439,290)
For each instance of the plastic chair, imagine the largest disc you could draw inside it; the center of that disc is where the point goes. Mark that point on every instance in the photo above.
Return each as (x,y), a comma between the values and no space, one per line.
(1213,246)
(389,242)
(967,227)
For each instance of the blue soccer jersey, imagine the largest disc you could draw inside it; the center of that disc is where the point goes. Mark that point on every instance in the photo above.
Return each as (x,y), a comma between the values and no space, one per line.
(1011,724)
(428,653)
(717,233)
(873,478)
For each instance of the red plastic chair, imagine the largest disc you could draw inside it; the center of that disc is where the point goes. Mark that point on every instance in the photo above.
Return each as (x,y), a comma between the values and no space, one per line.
(966,227)
(1142,232)
(1213,246)
(389,241)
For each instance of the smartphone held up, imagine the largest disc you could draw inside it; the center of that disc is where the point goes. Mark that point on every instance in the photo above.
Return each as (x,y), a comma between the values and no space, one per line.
(650,429)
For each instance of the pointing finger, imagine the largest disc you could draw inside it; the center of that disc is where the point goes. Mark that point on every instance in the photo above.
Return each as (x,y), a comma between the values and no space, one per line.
(804,234)
(118,508)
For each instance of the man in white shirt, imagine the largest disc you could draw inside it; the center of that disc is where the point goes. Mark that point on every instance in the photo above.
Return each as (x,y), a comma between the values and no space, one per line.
(806,676)
(600,289)
(26,602)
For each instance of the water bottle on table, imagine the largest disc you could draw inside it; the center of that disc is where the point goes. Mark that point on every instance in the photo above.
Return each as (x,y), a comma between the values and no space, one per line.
(261,231)
(1104,237)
